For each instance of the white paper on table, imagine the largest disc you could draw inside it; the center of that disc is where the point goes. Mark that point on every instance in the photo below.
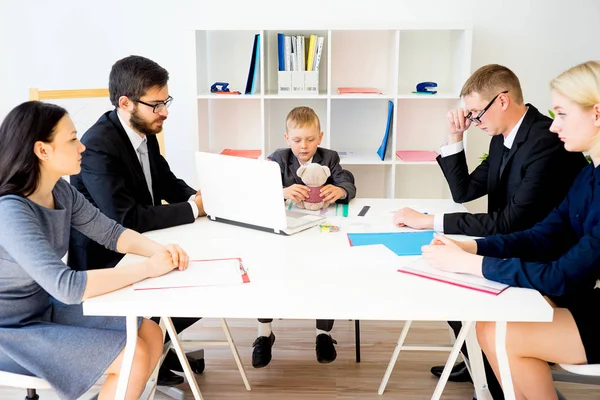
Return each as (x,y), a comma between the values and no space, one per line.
(422,269)
(223,272)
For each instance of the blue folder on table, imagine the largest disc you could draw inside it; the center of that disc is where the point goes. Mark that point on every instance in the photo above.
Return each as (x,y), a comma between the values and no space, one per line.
(401,243)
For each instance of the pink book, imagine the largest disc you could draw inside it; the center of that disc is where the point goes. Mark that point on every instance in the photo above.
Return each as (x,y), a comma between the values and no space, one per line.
(416,155)
(358,90)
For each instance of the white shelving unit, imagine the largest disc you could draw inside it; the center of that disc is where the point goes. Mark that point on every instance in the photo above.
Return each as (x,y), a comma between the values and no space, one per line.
(392,60)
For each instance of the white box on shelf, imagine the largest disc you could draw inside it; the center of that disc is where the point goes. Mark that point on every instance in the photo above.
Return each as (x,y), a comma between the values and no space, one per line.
(311,82)
(284,82)
(297,82)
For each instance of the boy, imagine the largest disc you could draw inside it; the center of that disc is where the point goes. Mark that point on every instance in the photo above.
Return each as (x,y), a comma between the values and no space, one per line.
(303,135)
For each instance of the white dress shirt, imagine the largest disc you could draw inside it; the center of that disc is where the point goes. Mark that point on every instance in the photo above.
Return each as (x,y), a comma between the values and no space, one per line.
(136,141)
(454,148)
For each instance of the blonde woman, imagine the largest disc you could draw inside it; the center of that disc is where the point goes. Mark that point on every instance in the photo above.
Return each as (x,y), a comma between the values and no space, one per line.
(560,256)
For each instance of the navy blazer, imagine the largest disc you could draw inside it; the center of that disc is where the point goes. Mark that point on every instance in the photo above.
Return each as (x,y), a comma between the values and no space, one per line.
(112,179)
(538,174)
(340,177)
(558,256)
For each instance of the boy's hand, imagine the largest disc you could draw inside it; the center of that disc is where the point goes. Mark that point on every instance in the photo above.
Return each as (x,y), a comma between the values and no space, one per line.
(296,193)
(331,194)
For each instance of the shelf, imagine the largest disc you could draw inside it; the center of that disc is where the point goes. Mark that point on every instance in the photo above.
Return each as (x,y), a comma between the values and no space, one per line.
(212,96)
(401,162)
(295,96)
(361,97)
(361,158)
(393,59)
(437,96)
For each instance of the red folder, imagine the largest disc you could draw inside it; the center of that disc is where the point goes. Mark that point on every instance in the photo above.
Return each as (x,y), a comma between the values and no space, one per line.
(242,153)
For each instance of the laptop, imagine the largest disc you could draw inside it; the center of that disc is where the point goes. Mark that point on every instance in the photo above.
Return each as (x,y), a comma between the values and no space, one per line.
(248,192)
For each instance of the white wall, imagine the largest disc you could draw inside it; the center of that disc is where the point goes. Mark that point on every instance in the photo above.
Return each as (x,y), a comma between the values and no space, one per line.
(72,44)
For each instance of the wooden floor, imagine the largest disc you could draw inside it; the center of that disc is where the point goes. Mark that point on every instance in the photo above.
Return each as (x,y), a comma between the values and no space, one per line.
(294,373)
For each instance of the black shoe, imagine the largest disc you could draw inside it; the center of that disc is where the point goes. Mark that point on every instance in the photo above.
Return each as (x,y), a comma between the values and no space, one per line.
(168,378)
(459,373)
(261,355)
(325,350)
(172,362)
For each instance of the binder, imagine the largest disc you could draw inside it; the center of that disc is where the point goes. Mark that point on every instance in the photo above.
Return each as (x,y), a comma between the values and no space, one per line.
(281,51)
(254,62)
(318,51)
(384,143)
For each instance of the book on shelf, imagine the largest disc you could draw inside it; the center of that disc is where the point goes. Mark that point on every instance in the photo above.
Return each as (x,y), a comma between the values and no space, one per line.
(242,153)
(295,53)
(358,90)
(384,143)
(417,155)
(254,63)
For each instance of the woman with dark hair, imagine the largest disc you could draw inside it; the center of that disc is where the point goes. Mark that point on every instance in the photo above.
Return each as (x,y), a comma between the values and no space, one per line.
(43,331)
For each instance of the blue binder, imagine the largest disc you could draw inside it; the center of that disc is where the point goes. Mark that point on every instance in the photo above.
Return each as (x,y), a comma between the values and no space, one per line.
(384,143)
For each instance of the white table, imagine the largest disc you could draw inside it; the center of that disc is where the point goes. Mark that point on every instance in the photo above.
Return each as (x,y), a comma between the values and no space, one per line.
(287,279)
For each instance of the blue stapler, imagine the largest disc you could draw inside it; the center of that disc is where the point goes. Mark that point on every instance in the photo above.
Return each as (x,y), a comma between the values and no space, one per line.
(423,88)
(219,87)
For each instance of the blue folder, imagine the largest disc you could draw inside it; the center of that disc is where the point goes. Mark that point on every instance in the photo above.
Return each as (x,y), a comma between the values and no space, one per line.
(401,243)
(384,143)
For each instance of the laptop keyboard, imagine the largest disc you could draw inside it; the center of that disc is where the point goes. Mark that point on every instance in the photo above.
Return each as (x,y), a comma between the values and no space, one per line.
(294,222)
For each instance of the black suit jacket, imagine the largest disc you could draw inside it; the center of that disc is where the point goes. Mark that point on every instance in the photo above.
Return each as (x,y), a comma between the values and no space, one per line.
(112,179)
(538,174)
(340,177)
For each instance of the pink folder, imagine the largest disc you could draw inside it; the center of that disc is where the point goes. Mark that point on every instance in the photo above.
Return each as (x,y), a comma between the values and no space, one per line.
(358,90)
(416,155)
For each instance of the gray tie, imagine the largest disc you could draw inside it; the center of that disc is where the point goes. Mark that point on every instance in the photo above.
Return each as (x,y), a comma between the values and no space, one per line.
(145,161)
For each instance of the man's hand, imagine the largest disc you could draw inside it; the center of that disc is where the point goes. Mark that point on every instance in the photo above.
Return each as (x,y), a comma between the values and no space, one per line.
(413,219)
(200,204)
(296,193)
(457,124)
(331,194)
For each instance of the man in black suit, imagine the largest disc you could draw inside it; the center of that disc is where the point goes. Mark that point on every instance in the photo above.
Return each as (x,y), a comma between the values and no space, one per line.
(526,174)
(126,177)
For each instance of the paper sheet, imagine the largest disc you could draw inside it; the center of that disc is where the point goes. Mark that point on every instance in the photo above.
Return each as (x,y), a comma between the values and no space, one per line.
(199,273)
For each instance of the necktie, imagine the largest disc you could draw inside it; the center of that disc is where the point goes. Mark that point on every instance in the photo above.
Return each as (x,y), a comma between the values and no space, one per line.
(505,151)
(145,162)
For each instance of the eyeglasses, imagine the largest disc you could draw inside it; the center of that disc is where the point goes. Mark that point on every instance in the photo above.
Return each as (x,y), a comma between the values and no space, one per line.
(156,108)
(477,119)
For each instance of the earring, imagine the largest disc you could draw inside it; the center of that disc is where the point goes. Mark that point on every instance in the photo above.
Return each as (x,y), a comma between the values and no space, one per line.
(46,158)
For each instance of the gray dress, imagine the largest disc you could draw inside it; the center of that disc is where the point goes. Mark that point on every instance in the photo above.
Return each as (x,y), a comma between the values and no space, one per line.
(42,328)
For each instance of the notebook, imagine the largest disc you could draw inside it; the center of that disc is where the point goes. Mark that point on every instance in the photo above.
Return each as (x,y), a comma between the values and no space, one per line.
(401,243)
(422,269)
(218,272)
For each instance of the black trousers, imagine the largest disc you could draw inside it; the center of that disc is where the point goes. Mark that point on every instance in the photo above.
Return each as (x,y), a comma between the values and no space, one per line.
(492,381)
(322,324)
(171,361)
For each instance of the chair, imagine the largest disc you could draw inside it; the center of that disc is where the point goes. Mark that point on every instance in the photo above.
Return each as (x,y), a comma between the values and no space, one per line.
(10,379)
(40,95)
(587,374)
